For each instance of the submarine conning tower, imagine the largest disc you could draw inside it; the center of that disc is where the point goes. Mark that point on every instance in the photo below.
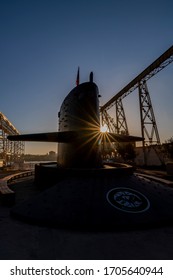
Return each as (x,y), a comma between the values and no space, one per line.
(80,192)
(80,113)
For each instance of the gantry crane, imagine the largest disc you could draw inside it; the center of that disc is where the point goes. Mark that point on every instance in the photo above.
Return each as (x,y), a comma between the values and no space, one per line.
(149,130)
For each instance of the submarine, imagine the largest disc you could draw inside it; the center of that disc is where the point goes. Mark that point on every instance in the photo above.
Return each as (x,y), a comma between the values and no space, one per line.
(80,191)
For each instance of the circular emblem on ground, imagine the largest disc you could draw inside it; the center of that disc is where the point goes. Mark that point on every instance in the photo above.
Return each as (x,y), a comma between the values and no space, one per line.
(128,200)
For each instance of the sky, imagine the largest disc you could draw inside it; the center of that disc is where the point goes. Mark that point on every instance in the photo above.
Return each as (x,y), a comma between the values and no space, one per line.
(44,41)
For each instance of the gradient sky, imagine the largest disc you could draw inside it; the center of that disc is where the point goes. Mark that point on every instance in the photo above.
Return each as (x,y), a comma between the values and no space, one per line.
(44,41)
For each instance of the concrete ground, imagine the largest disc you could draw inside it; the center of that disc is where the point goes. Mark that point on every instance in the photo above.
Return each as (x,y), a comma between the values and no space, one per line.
(24,241)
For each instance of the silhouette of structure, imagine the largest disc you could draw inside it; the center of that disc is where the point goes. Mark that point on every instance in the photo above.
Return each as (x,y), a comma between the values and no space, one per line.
(149,130)
(82,192)
(9,151)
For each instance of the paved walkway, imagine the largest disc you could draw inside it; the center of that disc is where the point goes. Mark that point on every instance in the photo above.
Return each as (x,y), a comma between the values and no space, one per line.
(156,173)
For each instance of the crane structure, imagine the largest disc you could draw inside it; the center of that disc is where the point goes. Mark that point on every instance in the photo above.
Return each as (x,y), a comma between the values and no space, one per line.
(9,151)
(149,130)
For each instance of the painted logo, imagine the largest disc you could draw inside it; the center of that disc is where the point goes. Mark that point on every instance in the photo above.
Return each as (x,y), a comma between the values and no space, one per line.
(128,200)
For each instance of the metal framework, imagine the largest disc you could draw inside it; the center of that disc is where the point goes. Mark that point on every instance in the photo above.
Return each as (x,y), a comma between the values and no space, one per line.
(9,151)
(106,119)
(165,59)
(121,118)
(120,127)
(148,122)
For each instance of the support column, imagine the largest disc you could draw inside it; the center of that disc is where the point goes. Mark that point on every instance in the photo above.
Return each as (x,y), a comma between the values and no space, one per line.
(149,129)
(121,118)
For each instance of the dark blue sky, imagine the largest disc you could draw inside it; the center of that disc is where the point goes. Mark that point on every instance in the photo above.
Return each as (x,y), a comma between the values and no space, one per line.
(44,41)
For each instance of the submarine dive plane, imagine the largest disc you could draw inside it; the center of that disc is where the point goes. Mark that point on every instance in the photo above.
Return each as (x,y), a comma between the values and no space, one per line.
(82,192)
(79,133)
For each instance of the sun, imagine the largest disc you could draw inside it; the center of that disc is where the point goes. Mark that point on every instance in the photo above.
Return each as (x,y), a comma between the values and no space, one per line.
(103,128)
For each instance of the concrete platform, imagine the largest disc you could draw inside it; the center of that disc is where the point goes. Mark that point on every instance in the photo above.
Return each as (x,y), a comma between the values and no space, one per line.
(20,240)
(96,201)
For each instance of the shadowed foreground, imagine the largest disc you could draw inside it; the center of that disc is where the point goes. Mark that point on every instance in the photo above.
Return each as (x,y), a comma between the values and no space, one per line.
(19,240)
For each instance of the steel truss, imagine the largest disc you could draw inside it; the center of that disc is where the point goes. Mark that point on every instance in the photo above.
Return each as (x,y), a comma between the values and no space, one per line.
(160,63)
(121,118)
(9,151)
(106,119)
(120,127)
(148,122)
